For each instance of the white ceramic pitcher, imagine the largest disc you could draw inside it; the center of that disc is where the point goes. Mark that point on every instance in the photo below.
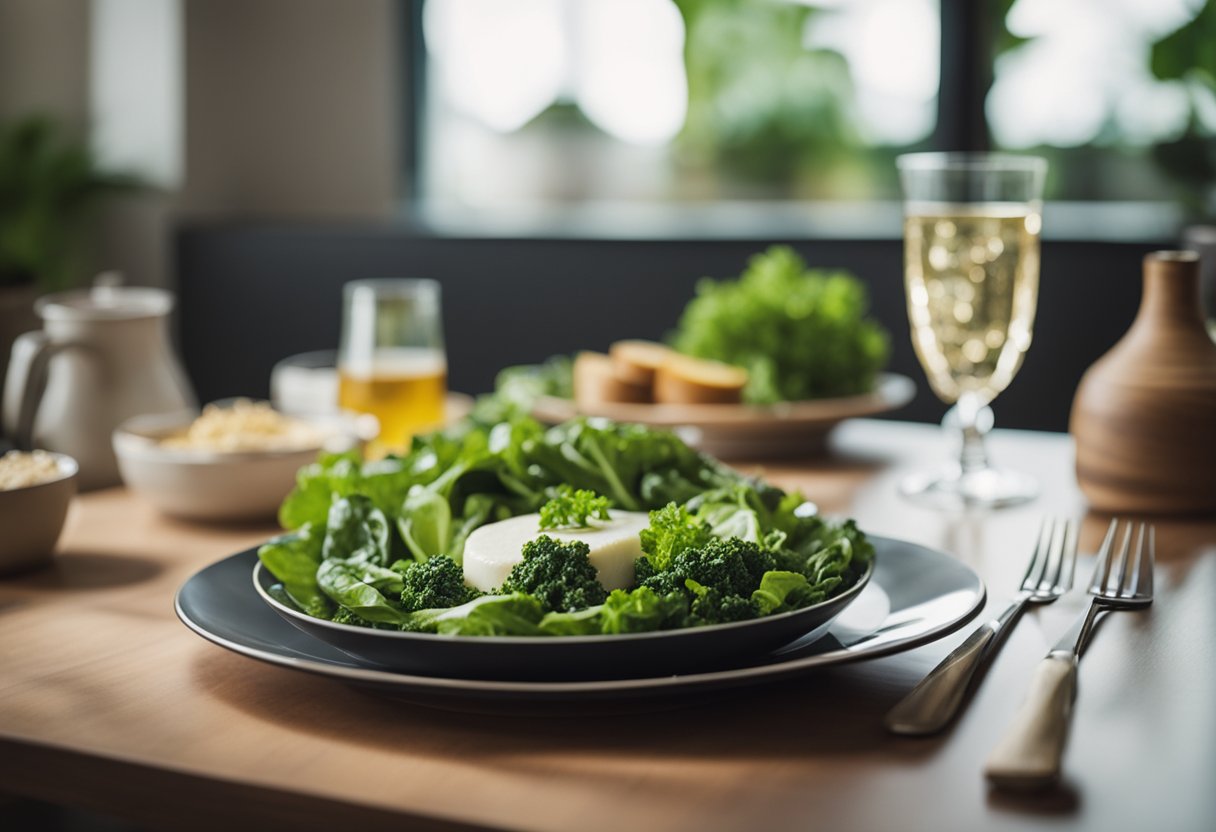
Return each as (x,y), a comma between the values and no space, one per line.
(102,356)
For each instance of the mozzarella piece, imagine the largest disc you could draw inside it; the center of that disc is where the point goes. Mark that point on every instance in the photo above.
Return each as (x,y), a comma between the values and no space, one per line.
(491,550)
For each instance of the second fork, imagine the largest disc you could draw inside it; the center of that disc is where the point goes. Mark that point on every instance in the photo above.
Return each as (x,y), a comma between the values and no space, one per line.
(931,705)
(1029,754)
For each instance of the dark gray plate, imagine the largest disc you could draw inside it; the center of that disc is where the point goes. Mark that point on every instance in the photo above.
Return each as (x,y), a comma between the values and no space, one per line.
(566,658)
(915,595)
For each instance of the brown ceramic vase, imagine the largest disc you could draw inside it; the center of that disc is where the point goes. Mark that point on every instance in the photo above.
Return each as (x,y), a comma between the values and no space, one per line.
(1144,417)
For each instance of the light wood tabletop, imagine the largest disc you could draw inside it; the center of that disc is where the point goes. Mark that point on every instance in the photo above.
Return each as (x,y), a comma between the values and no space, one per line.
(108,702)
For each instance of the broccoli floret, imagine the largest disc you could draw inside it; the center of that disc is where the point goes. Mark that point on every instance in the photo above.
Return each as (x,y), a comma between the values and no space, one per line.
(434,583)
(712,606)
(732,567)
(757,560)
(558,573)
(718,579)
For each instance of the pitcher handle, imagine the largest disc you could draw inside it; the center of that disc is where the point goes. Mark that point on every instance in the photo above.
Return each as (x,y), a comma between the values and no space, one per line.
(26,382)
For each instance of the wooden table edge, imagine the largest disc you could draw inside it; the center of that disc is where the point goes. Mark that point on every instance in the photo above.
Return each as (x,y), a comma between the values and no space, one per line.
(171,799)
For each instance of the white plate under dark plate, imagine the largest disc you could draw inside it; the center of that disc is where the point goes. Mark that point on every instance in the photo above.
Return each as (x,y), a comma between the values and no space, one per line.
(916,595)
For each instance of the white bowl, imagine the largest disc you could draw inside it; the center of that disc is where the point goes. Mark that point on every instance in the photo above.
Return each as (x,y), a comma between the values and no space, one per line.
(32,518)
(213,485)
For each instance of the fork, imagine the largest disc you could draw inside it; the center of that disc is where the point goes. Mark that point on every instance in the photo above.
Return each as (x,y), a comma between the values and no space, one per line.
(931,705)
(1029,754)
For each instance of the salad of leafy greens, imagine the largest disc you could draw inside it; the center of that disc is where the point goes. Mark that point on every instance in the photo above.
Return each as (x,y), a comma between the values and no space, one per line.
(379,544)
(800,333)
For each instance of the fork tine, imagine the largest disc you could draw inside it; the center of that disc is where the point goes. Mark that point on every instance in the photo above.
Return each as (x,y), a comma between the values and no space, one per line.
(1132,573)
(1068,557)
(1142,581)
(1036,558)
(1146,579)
(1102,567)
(1055,556)
(1114,584)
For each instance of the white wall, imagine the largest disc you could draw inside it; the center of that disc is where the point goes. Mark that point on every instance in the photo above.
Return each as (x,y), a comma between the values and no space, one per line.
(290,110)
(44,58)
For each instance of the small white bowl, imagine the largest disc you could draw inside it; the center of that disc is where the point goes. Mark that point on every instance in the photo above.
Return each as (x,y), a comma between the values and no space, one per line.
(32,518)
(213,485)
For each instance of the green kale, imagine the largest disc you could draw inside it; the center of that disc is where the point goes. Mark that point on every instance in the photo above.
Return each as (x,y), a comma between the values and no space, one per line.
(573,509)
(801,334)
(557,573)
(436,582)
(643,610)
(781,591)
(672,531)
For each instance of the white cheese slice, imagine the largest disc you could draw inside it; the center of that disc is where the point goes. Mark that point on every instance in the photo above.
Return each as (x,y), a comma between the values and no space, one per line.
(493,549)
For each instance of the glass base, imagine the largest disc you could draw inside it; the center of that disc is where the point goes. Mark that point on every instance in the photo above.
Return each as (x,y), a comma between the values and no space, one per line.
(949,488)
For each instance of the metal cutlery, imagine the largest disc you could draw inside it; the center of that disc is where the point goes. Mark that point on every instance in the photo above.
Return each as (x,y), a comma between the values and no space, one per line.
(931,705)
(1029,754)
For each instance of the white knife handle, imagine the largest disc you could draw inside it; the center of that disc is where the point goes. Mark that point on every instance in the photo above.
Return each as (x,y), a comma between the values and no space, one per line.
(930,705)
(1029,754)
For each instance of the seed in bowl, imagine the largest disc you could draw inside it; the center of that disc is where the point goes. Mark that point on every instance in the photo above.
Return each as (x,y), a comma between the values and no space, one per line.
(19,469)
(245,426)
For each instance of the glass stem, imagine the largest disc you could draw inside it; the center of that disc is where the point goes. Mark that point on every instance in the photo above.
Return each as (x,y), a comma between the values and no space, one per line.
(969,413)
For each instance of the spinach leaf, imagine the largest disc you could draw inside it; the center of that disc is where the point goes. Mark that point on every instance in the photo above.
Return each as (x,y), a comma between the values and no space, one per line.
(478,510)
(579,623)
(425,523)
(293,559)
(732,512)
(342,583)
(387,581)
(316,486)
(356,531)
(490,615)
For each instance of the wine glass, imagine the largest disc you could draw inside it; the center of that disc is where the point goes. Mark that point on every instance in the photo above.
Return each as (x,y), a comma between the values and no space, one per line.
(971,269)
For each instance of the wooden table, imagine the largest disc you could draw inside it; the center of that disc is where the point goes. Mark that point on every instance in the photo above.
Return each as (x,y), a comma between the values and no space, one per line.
(109,703)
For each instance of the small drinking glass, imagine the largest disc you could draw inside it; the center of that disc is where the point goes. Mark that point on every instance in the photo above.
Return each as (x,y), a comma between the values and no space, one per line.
(391,360)
(971,269)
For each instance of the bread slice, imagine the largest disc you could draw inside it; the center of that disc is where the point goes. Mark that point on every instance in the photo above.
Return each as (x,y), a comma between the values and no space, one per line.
(681,379)
(596,382)
(637,361)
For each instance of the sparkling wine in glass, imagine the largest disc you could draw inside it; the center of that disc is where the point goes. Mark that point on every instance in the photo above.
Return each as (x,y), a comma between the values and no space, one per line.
(971,269)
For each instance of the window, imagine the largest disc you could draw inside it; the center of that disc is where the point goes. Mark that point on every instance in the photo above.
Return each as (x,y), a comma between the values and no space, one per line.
(1079,87)
(772,116)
